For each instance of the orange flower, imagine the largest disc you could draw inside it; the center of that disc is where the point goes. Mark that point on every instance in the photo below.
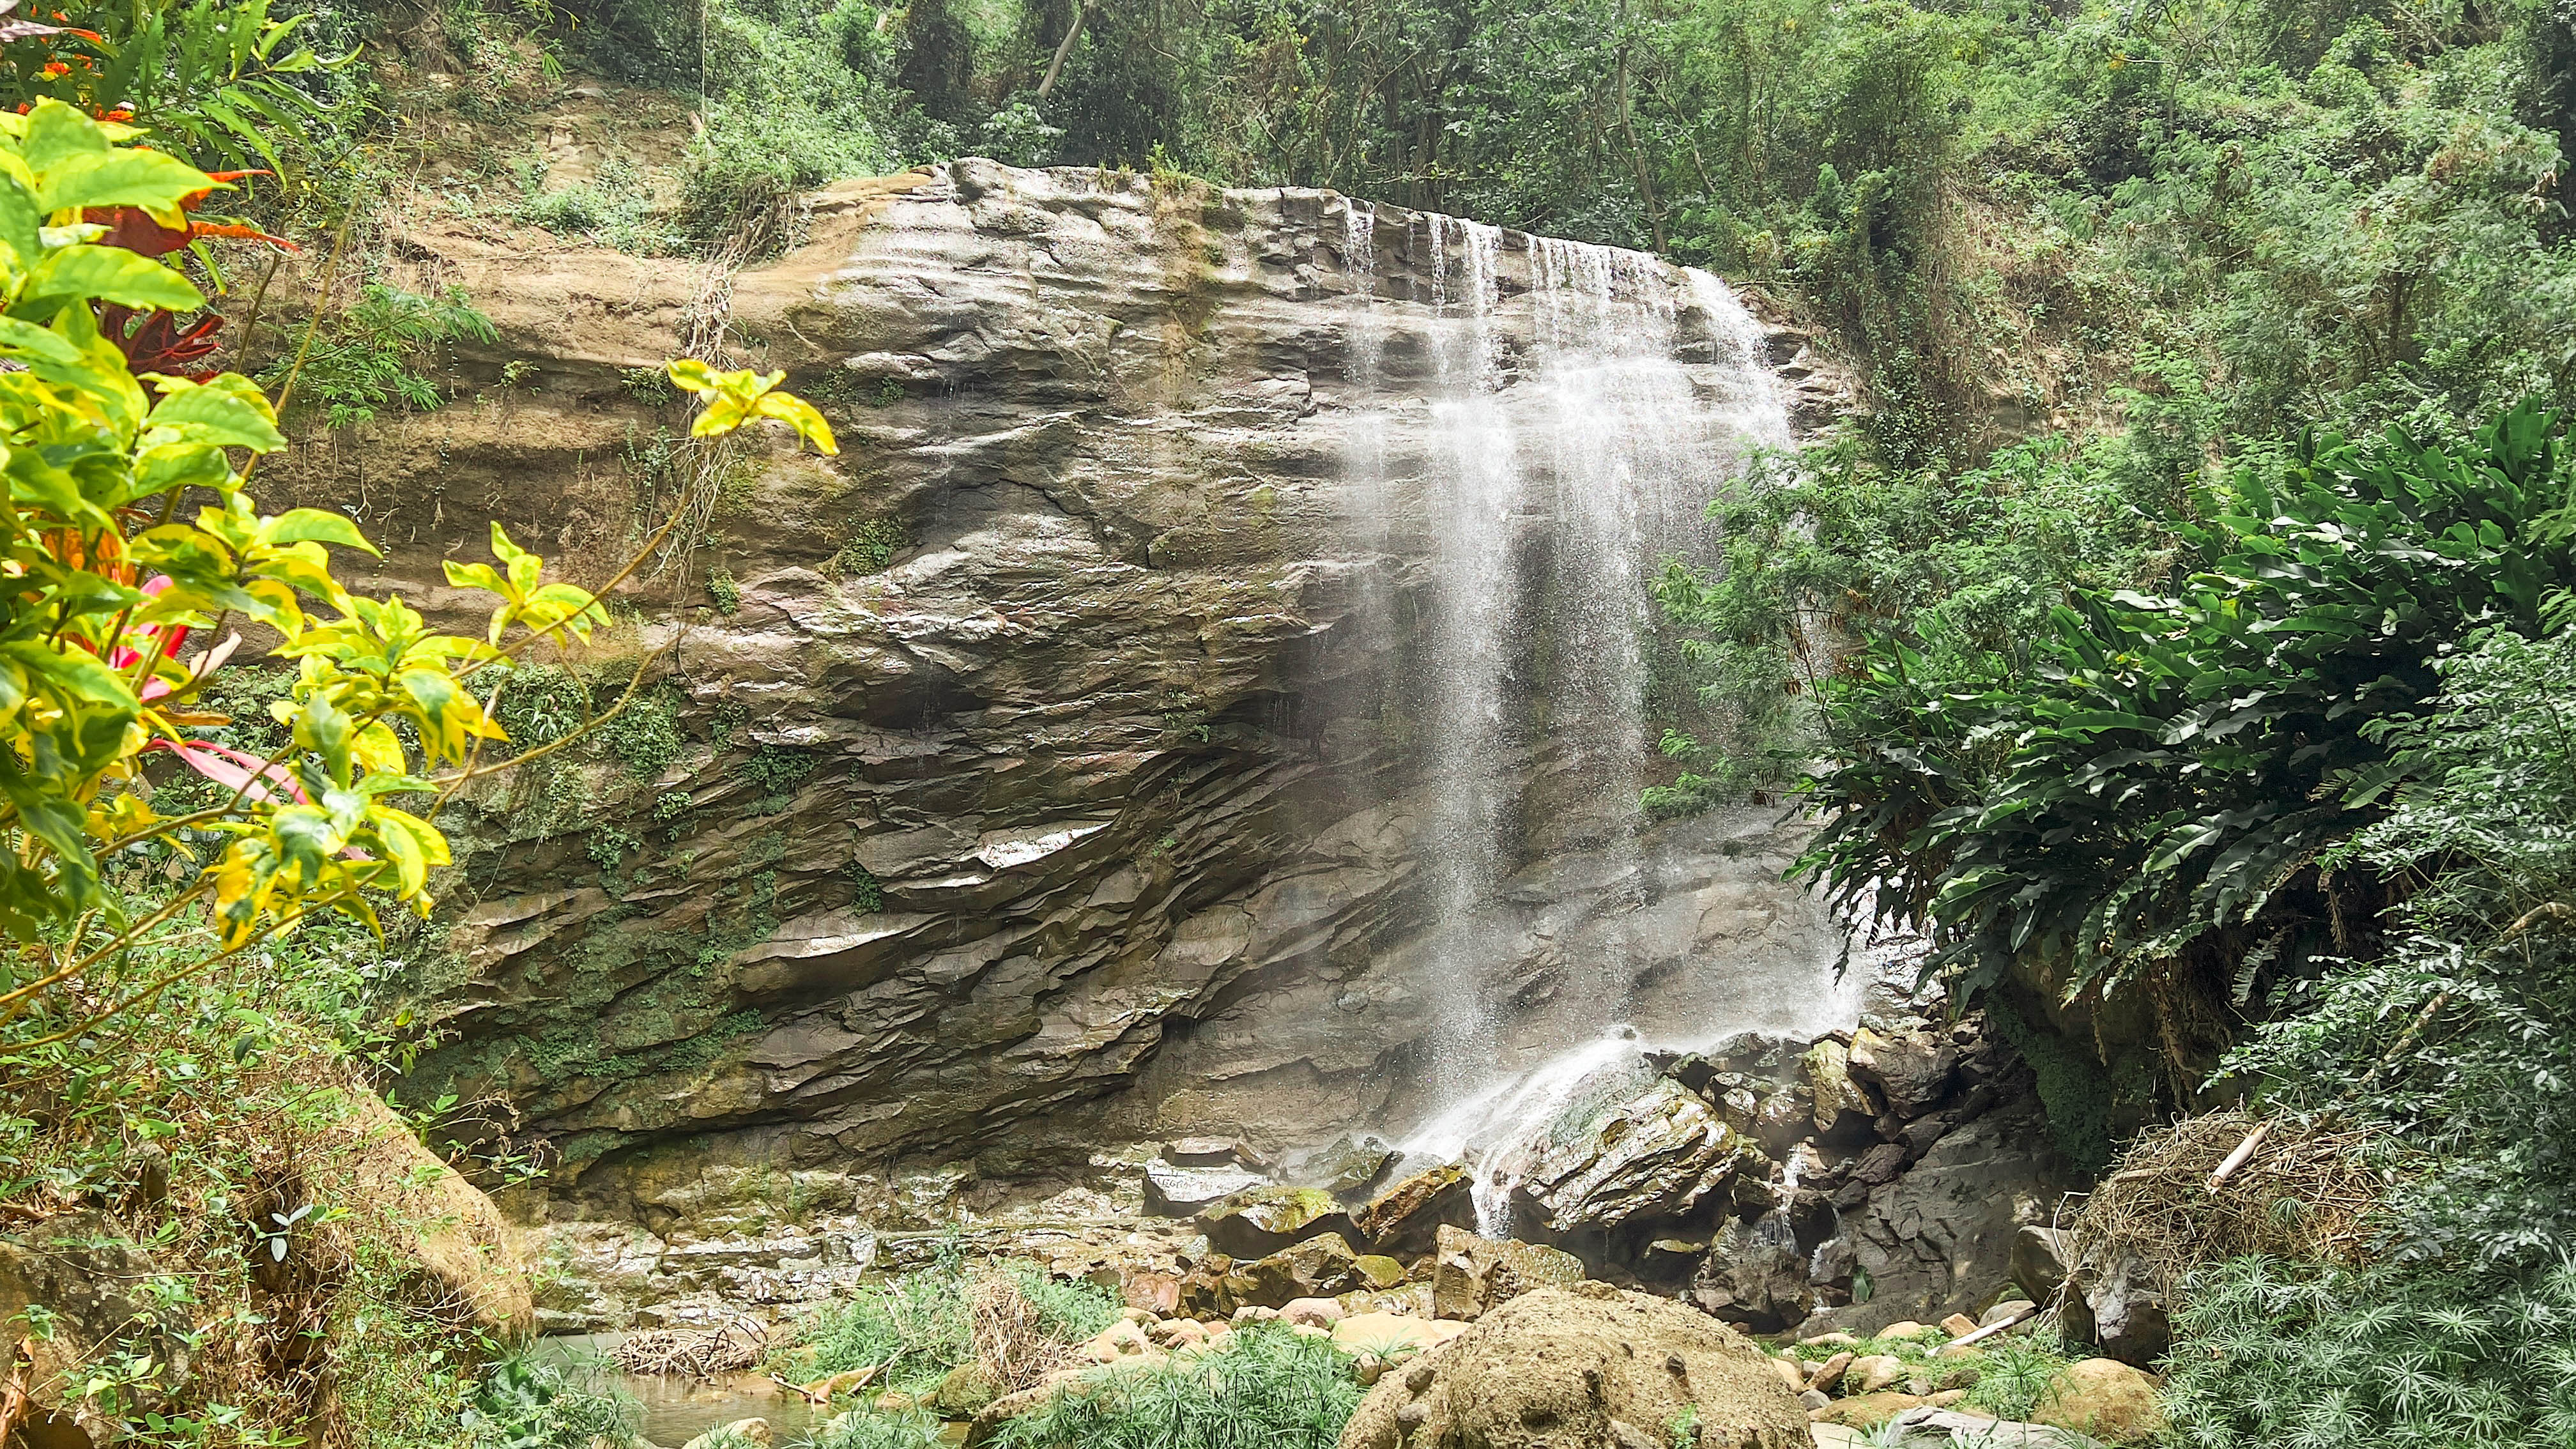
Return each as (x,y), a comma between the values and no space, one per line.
(55,68)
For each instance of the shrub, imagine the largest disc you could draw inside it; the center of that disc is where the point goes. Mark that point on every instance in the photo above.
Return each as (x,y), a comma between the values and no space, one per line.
(1264,1386)
(2279,1355)
(371,355)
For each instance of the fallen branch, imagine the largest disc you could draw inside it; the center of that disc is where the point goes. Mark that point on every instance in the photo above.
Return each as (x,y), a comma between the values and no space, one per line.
(848,1381)
(2236,1159)
(1973,1338)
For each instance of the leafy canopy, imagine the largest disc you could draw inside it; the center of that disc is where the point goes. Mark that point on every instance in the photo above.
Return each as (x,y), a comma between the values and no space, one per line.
(2147,789)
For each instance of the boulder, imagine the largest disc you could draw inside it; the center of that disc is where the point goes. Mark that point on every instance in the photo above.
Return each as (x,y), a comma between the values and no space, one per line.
(1591,1369)
(1655,1155)
(1871,1374)
(1349,1168)
(1833,1097)
(1312,1312)
(2038,1265)
(965,1391)
(1471,1274)
(2010,1308)
(1912,1071)
(2105,1399)
(1829,1374)
(1939,1239)
(1174,1190)
(1754,1276)
(80,1274)
(1378,1272)
(1783,1119)
(1156,1293)
(1262,1220)
(1405,1218)
(2113,1303)
(740,1434)
(450,1238)
(1866,1411)
(1389,1335)
(1319,1267)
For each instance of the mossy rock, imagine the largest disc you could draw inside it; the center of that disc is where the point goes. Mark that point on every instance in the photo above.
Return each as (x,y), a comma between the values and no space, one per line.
(965,1392)
(1379,1271)
(1260,1221)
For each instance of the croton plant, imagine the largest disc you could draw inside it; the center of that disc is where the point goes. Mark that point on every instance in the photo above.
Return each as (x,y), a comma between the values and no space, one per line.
(132,540)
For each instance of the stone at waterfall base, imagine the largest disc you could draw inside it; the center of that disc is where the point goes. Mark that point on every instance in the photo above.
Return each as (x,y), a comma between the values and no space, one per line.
(1590,1367)
(1472,1274)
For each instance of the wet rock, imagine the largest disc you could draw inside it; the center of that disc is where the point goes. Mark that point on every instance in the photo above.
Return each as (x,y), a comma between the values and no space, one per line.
(1348,1168)
(1784,1118)
(2116,1306)
(1836,1101)
(1176,1191)
(1911,1071)
(1026,880)
(1262,1220)
(1472,1274)
(1405,1218)
(1755,1277)
(1656,1155)
(1597,1369)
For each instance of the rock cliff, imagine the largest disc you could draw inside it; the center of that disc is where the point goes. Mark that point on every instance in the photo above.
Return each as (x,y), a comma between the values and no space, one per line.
(1047,769)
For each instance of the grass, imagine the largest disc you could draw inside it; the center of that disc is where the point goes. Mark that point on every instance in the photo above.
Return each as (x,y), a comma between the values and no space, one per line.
(2014,1376)
(1265,1388)
(919,1324)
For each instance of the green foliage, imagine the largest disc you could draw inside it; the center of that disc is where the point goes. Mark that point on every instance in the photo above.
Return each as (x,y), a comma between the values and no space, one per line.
(802,96)
(2285,1356)
(1265,1386)
(2015,1374)
(867,893)
(918,1323)
(1822,550)
(870,548)
(2139,797)
(223,81)
(2074,1088)
(615,209)
(725,589)
(650,386)
(371,355)
(526,1402)
(879,1429)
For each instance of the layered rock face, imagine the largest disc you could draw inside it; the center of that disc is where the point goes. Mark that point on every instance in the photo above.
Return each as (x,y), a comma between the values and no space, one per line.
(1050,768)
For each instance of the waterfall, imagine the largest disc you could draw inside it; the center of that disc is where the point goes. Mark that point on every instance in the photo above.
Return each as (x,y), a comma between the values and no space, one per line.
(1579,406)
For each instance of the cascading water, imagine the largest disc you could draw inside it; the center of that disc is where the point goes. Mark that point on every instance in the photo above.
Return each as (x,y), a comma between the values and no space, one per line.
(1583,404)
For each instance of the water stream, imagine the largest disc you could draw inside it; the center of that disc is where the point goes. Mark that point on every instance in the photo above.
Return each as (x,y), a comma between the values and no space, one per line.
(1584,404)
